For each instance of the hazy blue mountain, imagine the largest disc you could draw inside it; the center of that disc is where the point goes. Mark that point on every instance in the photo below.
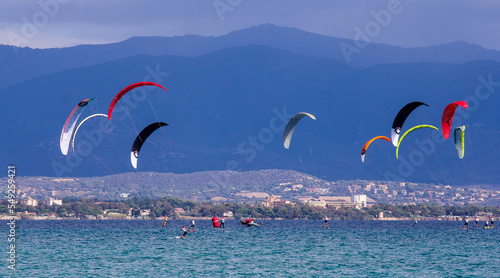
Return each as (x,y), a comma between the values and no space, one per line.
(21,64)
(225,110)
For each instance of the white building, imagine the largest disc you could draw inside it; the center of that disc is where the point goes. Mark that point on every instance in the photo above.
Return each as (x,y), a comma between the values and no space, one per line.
(273,201)
(179,210)
(51,201)
(361,199)
(29,202)
(316,203)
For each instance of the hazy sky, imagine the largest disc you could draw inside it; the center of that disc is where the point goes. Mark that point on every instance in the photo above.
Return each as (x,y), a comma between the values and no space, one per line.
(61,23)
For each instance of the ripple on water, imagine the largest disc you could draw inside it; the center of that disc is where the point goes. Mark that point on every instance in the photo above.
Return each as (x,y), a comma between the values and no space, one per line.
(277,249)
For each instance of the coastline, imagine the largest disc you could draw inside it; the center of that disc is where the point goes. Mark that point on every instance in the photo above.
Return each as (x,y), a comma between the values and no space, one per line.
(41,218)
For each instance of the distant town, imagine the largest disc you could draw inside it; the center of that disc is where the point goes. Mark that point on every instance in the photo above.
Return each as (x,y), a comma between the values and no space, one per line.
(270,194)
(230,186)
(272,207)
(30,205)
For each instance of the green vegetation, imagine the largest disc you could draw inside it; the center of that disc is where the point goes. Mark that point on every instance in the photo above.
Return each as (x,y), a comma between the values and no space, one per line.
(81,207)
(237,187)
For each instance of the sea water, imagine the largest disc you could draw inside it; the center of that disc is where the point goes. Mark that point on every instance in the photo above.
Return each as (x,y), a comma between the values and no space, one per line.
(295,248)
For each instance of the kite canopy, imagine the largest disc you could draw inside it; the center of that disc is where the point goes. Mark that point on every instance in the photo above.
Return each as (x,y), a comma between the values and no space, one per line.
(140,139)
(459,141)
(363,151)
(290,127)
(448,114)
(408,132)
(69,125)
(72,139)
(400,119)
(126,90)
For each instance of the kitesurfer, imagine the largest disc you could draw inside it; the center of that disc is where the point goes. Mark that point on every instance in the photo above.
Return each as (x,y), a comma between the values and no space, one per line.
(486,224)
(165,221)
(192,226)
(414,222)
(325,224)
(466,223)
(184,232)
(477,222)
(491,219)
(222,222)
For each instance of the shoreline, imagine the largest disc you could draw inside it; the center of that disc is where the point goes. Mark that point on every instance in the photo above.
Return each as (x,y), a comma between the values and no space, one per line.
(6,218)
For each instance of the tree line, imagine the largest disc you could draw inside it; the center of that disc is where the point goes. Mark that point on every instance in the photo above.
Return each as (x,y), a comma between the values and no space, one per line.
(81,207)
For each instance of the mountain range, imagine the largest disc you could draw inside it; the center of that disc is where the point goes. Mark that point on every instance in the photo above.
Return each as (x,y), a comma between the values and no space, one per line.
(20,64)
(229,98)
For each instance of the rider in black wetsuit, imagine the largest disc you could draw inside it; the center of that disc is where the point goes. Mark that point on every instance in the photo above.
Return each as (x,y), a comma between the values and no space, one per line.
(466,223)
(184,232)
(222,220)
(192,226)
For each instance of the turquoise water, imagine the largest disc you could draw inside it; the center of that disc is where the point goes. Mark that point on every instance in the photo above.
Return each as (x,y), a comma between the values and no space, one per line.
(277,249)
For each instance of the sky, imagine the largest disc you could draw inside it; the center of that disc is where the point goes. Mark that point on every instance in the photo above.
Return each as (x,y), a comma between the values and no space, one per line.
(406,23)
